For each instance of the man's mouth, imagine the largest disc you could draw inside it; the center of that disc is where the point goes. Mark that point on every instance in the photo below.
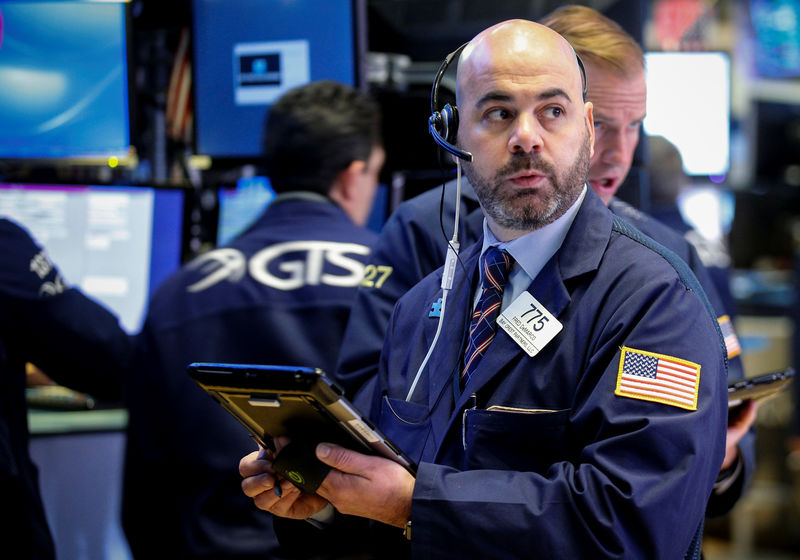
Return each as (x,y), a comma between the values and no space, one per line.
(603,182)
(527,179)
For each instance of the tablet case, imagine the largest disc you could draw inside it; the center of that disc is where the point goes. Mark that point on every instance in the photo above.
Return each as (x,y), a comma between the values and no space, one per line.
(759,387)
(298,402)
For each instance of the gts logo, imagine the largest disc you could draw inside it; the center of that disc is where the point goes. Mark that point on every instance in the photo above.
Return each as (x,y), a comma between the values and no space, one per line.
(284,266)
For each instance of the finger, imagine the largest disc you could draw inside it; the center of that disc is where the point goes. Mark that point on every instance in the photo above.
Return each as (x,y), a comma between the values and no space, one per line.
(281,506)
(746,416)
(252,464)
(252,486)
(752,412)
(280,442)
(343,459)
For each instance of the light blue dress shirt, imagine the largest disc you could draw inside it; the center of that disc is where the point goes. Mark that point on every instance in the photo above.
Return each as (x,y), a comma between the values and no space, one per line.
(530,251)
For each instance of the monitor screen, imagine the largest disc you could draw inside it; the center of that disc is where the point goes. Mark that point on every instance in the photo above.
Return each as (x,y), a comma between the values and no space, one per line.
(688,103)
(240,206)
(249,52)
(776,37)
(63,79)
(115,243)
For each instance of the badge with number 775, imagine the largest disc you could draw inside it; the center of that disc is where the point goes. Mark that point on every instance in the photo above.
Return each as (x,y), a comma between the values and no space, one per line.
(529,323)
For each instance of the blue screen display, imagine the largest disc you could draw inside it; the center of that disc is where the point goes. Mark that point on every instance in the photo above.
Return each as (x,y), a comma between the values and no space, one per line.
(249,52)
(241,206)
(115,243)
(776,29)
(63,80)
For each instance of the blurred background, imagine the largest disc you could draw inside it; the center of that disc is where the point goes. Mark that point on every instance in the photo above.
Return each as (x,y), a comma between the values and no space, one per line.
(130,135)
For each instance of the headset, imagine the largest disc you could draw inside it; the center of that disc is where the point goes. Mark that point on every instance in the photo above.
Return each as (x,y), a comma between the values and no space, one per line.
(443,124)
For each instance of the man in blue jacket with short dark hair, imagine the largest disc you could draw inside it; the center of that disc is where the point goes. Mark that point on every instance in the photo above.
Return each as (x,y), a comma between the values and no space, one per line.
(280,293)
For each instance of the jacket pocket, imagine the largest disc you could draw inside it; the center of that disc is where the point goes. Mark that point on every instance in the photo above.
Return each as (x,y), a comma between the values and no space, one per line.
(515,438)
(406,424)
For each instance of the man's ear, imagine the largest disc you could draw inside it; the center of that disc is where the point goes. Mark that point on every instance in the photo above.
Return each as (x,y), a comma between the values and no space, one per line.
(347,181)
(346,190)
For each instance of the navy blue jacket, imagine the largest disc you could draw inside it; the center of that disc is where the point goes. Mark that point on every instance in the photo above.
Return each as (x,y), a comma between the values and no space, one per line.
(720,298)
(73,339)
(412,245)
(538,457)
(279,294)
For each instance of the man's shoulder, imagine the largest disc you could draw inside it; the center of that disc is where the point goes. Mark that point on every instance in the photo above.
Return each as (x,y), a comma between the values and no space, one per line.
(303,220)
(646,259)
(425,207)
(663,234)
(26,272)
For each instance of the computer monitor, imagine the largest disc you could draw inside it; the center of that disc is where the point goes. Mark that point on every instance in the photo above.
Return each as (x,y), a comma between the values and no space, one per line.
(775,30)
(688,103)
(241,205)
(115,243)
(64,80)
(249,52)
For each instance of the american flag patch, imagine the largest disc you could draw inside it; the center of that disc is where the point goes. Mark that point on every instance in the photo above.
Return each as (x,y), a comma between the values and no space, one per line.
(729,335)
(659,378)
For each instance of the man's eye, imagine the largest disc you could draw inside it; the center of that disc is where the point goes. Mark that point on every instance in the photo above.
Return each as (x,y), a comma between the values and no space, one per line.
(553,112)
(497,115)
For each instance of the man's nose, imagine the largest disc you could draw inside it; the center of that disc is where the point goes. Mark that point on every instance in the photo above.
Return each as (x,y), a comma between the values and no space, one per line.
(613,147)
(526,135)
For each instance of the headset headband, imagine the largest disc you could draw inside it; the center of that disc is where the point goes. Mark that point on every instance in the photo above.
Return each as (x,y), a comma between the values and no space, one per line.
(443,124)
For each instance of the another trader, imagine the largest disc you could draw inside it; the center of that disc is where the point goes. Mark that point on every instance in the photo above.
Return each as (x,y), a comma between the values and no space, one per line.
(75,340)
(280,293)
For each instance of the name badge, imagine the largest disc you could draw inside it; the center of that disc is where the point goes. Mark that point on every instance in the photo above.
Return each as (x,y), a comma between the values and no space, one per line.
(529,323)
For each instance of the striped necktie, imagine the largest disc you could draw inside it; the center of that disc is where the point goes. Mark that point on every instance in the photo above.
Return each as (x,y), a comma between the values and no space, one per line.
(495,266)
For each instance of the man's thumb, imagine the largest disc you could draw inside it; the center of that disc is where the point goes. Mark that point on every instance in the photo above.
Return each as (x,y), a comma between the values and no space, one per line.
(341,458)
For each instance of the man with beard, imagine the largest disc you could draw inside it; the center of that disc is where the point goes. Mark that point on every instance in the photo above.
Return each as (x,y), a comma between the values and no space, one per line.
(591,423)
(412,243)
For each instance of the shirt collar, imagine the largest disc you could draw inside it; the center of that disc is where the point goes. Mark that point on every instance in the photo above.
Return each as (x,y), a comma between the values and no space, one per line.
(532,250)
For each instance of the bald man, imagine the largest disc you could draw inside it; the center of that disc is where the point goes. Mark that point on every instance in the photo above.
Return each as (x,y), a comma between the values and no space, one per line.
(412,245)
(575,405)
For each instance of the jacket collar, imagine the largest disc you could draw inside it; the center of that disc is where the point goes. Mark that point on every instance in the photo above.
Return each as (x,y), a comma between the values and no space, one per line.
(581,253)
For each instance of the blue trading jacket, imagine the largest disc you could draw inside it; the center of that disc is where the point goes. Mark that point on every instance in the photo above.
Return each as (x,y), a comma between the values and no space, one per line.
(412,245)
(538,457)
(278,294)
(73,339)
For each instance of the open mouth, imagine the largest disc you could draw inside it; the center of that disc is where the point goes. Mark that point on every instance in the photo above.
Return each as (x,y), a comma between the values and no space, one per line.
(605,182)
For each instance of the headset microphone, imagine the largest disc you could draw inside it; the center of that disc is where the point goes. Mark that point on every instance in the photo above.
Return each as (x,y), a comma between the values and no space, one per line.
(443,124)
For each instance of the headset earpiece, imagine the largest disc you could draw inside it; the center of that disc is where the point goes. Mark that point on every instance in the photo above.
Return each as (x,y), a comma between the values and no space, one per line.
(448,123)
(443,124)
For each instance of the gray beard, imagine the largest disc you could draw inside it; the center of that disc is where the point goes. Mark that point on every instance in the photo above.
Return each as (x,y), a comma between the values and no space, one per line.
(498,202)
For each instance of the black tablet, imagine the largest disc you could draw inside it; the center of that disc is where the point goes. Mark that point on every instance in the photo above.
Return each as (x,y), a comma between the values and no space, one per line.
(301,403)
(759,387)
